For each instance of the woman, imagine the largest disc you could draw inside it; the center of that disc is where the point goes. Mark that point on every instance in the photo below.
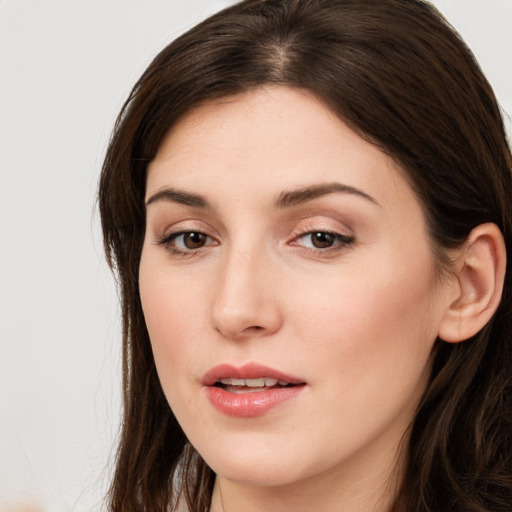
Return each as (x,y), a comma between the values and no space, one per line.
(307,203)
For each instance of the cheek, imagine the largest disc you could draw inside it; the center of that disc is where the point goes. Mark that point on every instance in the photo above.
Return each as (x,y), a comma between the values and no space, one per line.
(172,312)
(170,296)
(174,331)
(371,340)
(369,323)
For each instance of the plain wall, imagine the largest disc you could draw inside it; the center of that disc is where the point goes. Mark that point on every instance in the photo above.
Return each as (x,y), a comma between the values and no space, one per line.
(66,67)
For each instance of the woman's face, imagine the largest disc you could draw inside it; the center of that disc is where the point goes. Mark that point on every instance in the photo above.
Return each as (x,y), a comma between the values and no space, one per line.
(281,246)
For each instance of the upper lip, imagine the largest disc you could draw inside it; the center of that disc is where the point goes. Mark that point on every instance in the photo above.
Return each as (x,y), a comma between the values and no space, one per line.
(247,371)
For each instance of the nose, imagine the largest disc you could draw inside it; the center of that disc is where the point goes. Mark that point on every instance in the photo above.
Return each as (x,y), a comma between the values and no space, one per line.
(245,302)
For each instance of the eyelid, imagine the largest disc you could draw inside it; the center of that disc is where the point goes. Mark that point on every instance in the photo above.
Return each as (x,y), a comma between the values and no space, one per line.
(342,240)
(322,223)
(185,226)
(175,234)
(167,237)
(344,236)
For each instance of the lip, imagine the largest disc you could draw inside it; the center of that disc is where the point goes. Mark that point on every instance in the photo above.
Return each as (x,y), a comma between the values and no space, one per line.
(250,404)
(247,371)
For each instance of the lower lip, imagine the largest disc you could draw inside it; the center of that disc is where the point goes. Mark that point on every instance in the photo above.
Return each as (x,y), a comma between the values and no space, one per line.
(252,404)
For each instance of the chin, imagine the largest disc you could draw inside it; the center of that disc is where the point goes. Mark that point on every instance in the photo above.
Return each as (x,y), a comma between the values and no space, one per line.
(259,465)
(257,475)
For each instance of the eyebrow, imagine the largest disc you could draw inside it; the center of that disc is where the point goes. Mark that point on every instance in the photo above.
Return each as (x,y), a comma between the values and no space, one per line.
(181,197)
(302,195)
(283,200)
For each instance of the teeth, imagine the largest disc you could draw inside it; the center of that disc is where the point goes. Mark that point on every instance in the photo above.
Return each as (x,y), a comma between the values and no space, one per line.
(253,383)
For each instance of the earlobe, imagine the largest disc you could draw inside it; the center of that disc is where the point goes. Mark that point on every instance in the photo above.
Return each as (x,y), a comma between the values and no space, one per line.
(480,273)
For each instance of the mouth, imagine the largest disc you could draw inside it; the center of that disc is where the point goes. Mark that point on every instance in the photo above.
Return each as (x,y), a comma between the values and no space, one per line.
(250,376)
(250,390)
(234,385)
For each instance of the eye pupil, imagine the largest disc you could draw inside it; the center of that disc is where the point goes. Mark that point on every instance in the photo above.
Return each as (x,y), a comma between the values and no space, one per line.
(321,239)
(194,240)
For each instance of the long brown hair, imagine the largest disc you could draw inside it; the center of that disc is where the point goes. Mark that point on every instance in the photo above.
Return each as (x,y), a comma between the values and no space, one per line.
(399,76)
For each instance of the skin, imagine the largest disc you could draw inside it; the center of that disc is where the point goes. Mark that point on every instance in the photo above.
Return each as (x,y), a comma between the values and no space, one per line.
(356,321)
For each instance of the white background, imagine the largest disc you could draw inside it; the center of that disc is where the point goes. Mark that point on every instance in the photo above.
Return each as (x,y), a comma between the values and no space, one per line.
(66,66)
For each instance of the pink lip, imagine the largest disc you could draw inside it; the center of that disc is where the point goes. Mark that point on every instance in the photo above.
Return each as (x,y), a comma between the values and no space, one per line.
(250,404)
(247,371)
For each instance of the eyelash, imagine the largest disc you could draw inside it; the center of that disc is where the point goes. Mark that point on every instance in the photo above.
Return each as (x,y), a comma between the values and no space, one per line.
(168,240)
(339,242)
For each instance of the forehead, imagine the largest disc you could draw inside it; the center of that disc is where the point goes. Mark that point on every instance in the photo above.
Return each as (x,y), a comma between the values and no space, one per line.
(267,140)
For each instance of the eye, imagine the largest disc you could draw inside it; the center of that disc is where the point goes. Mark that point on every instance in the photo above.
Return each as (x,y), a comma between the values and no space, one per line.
(190,240)
(323,240)
(183,242)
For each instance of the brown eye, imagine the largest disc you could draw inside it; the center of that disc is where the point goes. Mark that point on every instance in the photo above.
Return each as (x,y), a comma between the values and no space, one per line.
(187,242)
(322,239)
(317,240)
(194,239)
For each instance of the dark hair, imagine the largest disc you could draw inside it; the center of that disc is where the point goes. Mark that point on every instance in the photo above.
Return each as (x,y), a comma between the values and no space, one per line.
(400,77)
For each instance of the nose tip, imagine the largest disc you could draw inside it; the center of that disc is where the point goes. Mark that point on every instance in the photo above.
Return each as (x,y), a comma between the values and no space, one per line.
(245,305)
(238,325)
(245,318)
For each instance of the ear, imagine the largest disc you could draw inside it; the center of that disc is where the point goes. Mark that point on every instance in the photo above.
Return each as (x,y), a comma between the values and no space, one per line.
(480,272)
